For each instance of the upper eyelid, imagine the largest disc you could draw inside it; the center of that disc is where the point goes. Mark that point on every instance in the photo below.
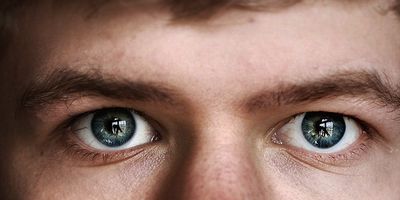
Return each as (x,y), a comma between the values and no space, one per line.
(293,134)
(64,116)
(369,129)
(67,124)
(73,119)
(143,129)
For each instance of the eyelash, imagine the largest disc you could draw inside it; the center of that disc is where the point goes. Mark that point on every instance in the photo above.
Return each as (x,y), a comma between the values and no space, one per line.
(338,160)
(77,149)
(324,161)
(100,158)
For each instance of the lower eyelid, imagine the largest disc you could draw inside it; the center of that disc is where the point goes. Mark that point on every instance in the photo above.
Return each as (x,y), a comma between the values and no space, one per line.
(349,157)
(333,162)
(287,133)
(70,149)
(82,155)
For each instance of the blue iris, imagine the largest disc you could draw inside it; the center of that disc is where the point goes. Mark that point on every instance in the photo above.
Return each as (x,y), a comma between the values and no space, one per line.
(323,130)
(113,127)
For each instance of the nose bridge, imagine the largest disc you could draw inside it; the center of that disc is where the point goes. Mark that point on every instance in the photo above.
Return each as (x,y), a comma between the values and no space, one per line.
(221,164)
(223,171)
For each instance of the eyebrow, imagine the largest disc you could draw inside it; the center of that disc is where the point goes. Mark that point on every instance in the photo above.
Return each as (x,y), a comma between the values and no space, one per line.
(63,84)
(362,84)
(60,84)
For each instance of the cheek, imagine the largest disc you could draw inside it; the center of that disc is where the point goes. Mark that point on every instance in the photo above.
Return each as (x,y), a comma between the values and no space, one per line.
(384,175)
(51,179)
(377,176)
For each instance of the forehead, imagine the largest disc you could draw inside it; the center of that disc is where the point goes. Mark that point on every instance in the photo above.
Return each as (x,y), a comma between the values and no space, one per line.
(255,49)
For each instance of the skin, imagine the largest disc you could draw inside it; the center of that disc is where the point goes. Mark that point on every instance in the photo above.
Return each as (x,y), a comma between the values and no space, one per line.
(211,147)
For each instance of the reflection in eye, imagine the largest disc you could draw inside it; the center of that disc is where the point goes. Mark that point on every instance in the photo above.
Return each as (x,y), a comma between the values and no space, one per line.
(114,129)
(320,132)
(323,130)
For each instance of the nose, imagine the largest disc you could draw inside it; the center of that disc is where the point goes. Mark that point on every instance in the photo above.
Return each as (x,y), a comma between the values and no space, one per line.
(220,164)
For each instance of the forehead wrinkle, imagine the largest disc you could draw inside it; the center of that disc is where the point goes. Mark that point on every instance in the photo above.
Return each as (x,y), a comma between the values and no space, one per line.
(365,85)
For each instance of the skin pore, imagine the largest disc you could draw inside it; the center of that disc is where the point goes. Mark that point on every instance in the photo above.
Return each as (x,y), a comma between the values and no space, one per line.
(219,95)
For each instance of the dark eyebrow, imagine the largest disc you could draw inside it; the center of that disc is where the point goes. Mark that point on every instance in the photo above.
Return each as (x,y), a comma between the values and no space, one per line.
(62,84)
(362,84)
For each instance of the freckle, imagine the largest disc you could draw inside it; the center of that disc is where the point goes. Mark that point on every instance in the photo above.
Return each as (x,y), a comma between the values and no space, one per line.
(250,20)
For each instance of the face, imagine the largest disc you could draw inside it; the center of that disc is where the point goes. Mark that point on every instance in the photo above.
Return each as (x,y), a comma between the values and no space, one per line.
(118,102)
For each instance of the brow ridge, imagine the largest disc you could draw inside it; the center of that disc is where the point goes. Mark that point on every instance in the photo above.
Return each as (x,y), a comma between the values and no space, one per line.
(363,84)
(60,84)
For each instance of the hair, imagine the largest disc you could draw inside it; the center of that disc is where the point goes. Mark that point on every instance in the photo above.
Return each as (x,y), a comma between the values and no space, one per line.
(182,10)
(203,9)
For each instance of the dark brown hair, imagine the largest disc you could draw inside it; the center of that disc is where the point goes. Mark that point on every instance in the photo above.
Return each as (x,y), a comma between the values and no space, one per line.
(203,9)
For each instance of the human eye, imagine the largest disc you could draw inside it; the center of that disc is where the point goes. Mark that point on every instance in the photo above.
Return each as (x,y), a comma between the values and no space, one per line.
(323,137)
(108,133)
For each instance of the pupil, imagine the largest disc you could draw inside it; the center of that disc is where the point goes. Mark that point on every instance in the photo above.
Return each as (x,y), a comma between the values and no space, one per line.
(113,127)
(323,130)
